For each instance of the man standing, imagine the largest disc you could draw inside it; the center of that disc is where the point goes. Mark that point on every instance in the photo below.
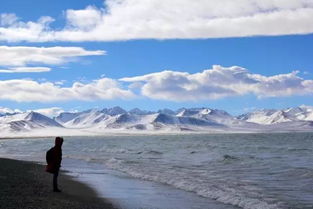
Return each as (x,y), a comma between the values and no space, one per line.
(54,158)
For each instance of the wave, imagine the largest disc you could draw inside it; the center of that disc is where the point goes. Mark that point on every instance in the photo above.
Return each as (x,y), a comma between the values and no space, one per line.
(153,152)
(298,149)
(221,193)
(229,157)
(107,150)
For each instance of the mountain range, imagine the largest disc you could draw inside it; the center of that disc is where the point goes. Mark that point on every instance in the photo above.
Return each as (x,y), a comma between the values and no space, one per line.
(116,119)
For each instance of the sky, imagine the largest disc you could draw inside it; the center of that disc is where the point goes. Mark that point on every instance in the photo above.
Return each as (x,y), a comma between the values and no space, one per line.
(235,55)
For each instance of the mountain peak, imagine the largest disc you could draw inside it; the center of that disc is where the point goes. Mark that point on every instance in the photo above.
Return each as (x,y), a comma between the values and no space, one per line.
(201,112)
(114,111)
(7,111)
(204,119)
(138,111)
(272,116)
(41,119)
(166,111)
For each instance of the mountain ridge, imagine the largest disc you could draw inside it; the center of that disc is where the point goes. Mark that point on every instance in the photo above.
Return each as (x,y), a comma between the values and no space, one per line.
(184,119)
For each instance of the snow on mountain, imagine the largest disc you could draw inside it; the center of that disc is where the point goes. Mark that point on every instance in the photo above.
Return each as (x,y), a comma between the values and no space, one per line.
(155,121)
(213,115)
(268,117)
(265,117)
(12,117)
(167,111)
(41,120)
(182,119)
(114,111)
(200,112)
(83,119)
(66,116)
(7,111)
(127,120)
(138,111)
(193,119)
(135,119)
(26,121)
(301,113)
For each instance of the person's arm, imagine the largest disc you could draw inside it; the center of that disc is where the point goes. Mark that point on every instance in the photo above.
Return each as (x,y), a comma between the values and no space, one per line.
(58,158)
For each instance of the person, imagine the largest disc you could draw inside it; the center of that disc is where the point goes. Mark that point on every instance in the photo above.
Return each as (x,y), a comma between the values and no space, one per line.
(54,158)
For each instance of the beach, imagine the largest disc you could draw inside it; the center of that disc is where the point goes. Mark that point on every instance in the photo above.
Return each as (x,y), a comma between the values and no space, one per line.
(27,185)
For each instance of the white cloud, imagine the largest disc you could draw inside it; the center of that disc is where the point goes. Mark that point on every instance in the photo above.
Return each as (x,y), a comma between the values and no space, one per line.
(219,82)
(25,70)
(22,55)
(33,91)
(16,58)
(163,19)
(12,29)
(8,19)
(85,19)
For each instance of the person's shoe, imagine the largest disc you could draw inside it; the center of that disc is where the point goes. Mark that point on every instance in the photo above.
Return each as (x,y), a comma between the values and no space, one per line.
(56,190)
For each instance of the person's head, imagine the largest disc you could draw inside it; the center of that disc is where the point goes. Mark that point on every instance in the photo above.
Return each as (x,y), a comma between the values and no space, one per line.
(58,141)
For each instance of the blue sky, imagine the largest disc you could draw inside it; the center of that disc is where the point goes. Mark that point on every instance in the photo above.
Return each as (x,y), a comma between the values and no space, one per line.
(96,55)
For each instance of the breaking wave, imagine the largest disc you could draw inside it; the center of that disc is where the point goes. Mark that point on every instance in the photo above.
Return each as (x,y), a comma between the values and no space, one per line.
(221,193)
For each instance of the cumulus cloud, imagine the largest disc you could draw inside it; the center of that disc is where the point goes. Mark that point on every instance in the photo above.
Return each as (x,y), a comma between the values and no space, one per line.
(33,91)
(163,19)
(16,58)
(219,82)
(8,19)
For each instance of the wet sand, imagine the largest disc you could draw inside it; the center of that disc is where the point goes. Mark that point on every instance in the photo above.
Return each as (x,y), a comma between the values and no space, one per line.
(26,185)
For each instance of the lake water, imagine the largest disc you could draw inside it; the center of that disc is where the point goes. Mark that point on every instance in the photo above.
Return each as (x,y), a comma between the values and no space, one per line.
(168,171)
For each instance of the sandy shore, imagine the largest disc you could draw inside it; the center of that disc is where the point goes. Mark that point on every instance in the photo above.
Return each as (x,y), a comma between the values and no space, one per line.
(26,185)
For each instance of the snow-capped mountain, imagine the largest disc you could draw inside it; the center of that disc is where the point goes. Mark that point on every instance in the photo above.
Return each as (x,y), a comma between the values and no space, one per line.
(268,117)
(185,119)
(301,113)
(66,116)
(26,121)
(82,119)
(138,111)
(134,119)
(264,117)
(41,120)
(214,115)
(167,111)
(114,111)
(7,111)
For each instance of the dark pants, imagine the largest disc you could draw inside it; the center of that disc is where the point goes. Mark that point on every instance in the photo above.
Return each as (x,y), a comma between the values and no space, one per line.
(55,180)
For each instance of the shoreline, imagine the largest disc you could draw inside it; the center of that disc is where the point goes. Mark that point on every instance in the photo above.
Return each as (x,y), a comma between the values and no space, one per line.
(26,185)
(145,134)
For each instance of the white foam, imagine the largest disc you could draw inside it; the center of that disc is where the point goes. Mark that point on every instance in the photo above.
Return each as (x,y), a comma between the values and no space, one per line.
(221,193)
